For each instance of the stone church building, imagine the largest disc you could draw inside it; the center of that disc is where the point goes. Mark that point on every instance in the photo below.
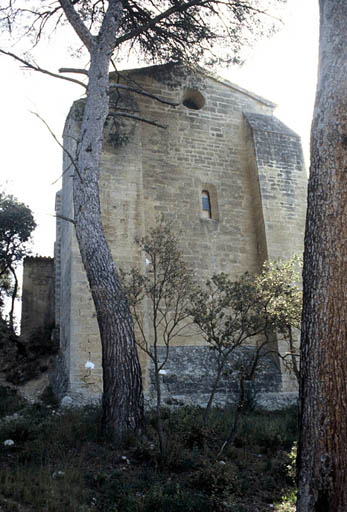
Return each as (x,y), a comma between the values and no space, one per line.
(224,170)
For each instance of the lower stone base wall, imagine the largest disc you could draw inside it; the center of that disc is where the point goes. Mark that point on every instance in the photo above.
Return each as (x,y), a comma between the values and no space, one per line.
(190,372)
(188,377)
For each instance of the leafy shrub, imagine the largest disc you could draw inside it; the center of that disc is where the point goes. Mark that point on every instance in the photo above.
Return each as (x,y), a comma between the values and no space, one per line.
(10,401)
(111,491)
(25,359)
(271,431)
(42,490)
(173,498)
(218,478)
(23,426)
(60,462)
(291,467)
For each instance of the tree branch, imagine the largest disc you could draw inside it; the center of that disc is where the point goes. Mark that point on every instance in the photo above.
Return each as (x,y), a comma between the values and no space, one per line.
(74,70)
(58,216)
(110,24)
(156,20)
(143,93)
(137,118)
(77,24)
(60,145)
(34,67)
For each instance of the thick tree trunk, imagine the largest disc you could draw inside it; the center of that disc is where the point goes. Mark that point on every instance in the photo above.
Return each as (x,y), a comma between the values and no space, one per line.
(122,394)
(322,460)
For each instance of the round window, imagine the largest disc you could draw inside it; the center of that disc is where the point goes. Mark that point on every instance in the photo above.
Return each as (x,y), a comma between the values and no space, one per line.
(193,99)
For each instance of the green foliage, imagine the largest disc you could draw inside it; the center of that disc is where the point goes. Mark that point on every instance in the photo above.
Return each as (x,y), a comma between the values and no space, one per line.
(59,461)
(6,287)
(281,297)
(10,401)
(7,336)
(227,311)
(172,497)
(16,225)
(279,293)
(25,360)
(230,314)
(209,32)
(166,283)
(291,467)
(163,290)
(218,479)
(269,431)
(288,502)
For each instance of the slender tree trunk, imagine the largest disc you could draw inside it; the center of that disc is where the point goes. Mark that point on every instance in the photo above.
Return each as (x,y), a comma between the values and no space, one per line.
(158,408)
(13,297)
(220,368)
(122,394)
(322,458)
(238,412)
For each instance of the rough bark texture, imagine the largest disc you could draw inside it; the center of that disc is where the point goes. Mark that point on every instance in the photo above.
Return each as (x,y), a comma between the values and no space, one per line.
(122,394)
(322,458)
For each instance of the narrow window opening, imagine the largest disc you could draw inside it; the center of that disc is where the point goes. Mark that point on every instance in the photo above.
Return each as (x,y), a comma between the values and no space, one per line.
(206,204)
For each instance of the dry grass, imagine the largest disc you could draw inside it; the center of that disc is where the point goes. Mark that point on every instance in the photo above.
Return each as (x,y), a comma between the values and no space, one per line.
(60,462)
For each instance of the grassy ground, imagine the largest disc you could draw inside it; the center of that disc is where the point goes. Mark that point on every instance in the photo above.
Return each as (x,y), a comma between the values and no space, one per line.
(59,462)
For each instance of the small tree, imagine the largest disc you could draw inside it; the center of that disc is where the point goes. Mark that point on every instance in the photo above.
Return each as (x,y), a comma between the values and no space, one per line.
(230,313)
(279,293)
(159,299)
(224,312)
(16,226)
(279,301)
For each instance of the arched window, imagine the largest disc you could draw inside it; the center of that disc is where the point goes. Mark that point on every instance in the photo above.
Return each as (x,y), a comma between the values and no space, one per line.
(206,204)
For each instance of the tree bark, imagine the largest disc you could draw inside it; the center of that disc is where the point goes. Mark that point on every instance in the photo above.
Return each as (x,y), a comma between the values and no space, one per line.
(122,393)
(161,437)
(322,458)
(13,297)
(220,367)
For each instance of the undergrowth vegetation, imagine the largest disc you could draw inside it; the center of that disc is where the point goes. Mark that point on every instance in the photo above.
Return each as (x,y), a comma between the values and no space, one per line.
(59,461)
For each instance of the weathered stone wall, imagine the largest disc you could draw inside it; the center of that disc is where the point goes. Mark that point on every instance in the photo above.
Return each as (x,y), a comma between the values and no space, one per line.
(38,294)
(200,149)
(148,172)
(190,374)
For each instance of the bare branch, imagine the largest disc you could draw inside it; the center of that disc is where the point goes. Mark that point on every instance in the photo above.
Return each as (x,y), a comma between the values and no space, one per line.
(58,216)
(60,145)
(74,70)
(137,118)
(143,93)
(34,67)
